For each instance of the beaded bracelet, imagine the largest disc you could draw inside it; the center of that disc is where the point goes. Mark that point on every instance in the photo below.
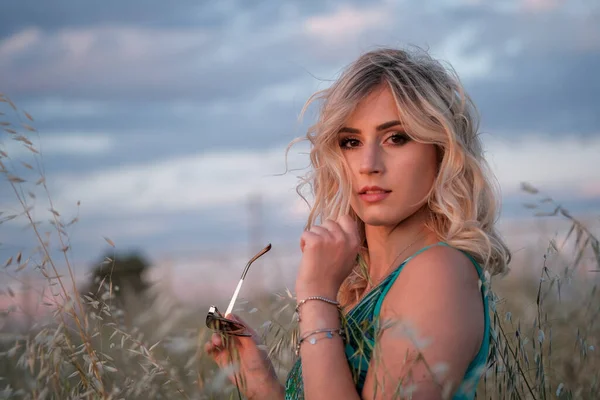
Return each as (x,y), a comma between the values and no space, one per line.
(313,340)
(324,299)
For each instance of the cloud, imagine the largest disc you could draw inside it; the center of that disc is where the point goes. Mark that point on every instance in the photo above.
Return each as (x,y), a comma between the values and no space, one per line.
(82,144)
(472,64)
(541,78)
(94,58)
(345,23)
(193,182)
(503,57)
(535,67)
(200,61)
(16,16)
(52,108)
(540,5)
(543,163)
(20,42)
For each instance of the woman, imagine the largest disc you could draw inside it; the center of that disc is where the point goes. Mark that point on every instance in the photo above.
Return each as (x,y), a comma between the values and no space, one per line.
(407,239)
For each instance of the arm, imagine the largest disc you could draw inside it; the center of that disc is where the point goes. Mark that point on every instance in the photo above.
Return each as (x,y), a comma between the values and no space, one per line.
(328,256)
(437,304)
(325,369)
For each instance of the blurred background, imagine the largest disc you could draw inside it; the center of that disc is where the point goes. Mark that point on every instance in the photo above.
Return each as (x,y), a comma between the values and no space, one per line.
(169,122)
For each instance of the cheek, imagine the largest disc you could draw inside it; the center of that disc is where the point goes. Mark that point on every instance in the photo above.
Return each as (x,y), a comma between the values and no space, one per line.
(429,165)
(418,171)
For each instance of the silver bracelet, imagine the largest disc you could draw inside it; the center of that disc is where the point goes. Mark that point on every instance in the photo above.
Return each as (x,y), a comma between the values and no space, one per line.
(313,340)
(321,298)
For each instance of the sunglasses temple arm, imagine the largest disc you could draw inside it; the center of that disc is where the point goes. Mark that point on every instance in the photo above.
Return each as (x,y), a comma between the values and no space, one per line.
(234,297)
(237,289)
(239,286)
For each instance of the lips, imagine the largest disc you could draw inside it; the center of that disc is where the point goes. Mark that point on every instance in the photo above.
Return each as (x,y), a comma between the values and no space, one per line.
(372,190)
(373,194)
(375,191)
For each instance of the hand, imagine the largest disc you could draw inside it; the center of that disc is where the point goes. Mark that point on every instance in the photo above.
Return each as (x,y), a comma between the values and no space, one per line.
(255,369)
(329,254)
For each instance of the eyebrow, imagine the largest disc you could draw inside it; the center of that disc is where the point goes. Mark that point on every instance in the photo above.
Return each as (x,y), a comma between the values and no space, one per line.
(381,127)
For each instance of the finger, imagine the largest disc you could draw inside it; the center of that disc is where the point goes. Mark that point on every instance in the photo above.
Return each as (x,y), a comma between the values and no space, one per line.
(349,226)
(208,347)
(211,349)
(307,237)
(216,340)
(333,227)
(321,231)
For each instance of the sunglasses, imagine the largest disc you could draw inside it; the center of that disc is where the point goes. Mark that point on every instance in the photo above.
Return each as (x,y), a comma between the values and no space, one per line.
(217,321)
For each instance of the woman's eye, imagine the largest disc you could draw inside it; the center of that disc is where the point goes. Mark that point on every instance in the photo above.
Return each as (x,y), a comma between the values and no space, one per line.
(399,138)
(349,143)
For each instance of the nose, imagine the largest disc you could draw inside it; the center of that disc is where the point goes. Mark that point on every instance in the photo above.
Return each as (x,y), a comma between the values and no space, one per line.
(371,160)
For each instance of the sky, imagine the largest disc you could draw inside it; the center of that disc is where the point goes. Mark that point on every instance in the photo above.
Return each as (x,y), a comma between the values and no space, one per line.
(164,119)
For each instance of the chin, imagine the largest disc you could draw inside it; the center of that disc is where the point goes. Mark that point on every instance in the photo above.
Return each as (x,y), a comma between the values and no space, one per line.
(380,219)
(377,222)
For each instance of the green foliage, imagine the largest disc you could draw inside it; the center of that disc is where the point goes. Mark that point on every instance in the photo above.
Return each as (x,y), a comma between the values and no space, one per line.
(121,273)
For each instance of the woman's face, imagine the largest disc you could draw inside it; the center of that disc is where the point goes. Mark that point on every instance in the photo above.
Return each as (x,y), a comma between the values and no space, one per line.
(391,174)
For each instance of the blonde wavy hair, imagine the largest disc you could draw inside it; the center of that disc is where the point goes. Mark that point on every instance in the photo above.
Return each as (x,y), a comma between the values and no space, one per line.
(434,108)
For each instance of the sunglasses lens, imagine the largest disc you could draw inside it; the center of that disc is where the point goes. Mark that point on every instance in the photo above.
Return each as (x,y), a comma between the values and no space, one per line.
(218,323)
(227,326)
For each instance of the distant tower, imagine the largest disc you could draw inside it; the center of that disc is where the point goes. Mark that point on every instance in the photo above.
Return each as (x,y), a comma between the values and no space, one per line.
(254,224)
(27,301)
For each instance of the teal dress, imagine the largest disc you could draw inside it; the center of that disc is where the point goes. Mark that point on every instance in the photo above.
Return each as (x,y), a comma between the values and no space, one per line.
(360,325)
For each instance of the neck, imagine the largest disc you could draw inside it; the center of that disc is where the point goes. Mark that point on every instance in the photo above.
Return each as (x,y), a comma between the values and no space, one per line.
(390,245)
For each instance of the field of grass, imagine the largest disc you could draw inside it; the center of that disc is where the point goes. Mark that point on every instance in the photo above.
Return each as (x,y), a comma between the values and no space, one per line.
(96,343)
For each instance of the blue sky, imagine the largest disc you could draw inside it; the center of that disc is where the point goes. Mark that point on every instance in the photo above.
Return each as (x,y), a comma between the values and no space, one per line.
(162,118)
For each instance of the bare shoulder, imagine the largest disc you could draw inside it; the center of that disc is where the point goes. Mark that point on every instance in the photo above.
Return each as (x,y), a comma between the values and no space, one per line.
(438,292)
(446,261)
(441,267)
